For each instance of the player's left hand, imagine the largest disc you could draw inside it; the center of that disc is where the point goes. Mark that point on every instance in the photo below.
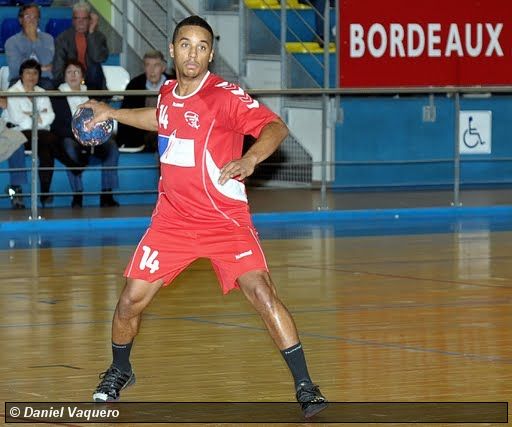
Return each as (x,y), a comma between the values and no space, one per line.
(237,169)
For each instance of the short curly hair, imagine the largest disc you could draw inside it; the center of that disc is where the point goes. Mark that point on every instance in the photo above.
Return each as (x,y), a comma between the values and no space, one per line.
(30,64)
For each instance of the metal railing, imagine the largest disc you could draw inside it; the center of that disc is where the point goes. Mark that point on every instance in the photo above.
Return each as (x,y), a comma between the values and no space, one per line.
(327,118)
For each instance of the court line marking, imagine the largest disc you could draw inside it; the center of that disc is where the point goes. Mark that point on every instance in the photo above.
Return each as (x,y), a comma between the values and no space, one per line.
(355,341)
(398,276)
(152,316)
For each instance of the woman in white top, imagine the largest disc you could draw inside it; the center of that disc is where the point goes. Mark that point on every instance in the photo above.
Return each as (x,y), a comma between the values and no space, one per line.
(107,153)
(19,117)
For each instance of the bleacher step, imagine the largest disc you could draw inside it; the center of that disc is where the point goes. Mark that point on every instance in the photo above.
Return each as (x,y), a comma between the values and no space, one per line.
(274,4)
(308,47)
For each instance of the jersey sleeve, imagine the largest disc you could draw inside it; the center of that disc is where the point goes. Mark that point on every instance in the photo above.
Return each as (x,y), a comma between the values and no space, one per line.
(244,114)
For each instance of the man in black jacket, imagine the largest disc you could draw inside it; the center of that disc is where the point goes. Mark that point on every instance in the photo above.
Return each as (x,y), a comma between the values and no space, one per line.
(131,139)
(82,42)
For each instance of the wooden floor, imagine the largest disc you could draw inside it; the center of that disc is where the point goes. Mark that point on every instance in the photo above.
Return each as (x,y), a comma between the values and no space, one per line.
(413,318)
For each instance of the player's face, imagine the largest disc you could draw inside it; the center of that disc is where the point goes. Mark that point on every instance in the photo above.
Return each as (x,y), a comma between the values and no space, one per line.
(192,52)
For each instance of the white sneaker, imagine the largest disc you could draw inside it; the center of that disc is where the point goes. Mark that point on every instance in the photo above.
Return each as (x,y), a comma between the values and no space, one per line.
(124,149)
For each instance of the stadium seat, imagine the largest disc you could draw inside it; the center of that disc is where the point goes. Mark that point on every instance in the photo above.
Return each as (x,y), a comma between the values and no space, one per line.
(55,26)
(274,4)
(116,76)
(9,27)
(39,2)
(7,2)
(4,77)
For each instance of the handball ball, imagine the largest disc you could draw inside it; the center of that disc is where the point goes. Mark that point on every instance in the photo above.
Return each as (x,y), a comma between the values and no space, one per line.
(99,134)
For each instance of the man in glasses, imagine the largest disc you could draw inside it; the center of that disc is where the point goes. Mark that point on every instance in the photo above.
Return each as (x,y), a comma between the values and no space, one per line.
(30,43)
(85,43)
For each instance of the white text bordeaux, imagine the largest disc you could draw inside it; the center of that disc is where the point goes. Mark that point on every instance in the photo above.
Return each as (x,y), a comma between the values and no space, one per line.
(414,40)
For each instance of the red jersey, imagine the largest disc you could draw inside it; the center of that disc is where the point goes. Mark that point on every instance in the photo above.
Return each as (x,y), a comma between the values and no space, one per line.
(197,135)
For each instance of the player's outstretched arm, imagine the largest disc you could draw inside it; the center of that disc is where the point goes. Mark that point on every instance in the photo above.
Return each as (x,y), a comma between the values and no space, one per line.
(142,118)
(271,136)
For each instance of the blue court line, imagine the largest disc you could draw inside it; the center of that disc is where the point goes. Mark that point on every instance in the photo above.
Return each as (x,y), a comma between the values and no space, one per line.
(399,276)
(371,343)
(271,218)
(91,232)
(151,316)
(352,309)
(353,341)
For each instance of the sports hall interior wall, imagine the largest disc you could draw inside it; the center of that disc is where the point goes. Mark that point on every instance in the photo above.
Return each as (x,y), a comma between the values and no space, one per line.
(381,141)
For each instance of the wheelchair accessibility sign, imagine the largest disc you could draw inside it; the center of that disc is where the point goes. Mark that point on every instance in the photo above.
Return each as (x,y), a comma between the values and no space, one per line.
(475,132)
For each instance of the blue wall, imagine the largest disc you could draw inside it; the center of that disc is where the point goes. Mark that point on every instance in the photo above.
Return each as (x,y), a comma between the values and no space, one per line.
(131,179)
(388,129)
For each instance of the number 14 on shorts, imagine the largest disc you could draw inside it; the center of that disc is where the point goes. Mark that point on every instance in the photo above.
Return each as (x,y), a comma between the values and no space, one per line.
(149,260)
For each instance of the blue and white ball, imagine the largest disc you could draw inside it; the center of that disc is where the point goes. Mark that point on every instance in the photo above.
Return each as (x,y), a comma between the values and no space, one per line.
(99,134)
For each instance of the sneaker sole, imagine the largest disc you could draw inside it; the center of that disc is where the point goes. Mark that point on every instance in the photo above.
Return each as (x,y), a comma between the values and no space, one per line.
(131,149)
(102,397)
(314,409)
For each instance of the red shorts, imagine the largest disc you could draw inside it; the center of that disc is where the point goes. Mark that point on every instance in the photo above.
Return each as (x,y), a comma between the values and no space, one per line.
(233,251)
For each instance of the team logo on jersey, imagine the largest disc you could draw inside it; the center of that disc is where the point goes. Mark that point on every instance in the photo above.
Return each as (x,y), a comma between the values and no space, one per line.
(192,119)
(163,118)
(243,254)
(240,93)
(176,151)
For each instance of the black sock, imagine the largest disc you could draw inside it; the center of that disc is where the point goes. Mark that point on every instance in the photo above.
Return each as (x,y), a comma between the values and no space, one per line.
(121,356)
(294,357)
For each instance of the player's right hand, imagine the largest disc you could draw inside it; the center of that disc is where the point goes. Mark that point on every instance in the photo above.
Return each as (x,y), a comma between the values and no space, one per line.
(101,112)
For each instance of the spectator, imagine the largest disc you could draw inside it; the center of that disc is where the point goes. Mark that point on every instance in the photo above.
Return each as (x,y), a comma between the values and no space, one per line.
(18,116)
(82,42)
(132,139)
(12,149)
(108,153)
(30,43)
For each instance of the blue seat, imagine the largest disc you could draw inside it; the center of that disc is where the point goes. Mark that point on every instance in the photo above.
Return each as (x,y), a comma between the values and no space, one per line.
(301,23)
(55,26)
(315,70)
(39,2)
(7,2)
(9,27)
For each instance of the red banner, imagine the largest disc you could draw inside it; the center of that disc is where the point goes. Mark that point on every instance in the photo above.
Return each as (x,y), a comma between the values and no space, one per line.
(429,43)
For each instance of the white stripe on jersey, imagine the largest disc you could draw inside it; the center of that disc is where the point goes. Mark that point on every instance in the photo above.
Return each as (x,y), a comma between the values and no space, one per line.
(204,178)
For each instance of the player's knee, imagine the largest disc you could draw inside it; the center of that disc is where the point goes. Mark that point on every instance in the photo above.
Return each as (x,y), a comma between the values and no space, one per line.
(129,305)
(259,289)
(263,296)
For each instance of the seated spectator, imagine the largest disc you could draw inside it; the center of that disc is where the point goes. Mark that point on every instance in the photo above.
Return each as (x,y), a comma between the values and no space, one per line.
(84,43)
(131,139)
(30,43)
(12,149)
(108,153)
(18,116)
